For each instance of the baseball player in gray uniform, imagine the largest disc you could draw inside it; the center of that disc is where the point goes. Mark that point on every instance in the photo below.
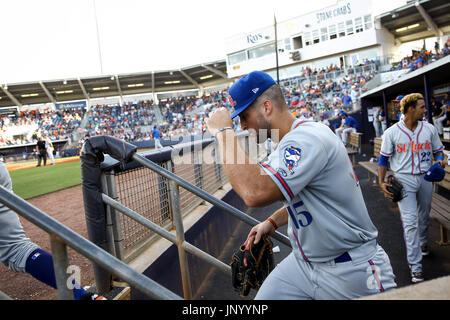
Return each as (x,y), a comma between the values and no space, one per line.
(335,254)
(411,145)
(20,254)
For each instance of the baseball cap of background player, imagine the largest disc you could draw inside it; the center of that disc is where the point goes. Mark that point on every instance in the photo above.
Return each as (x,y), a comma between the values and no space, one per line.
(247,89)
(342,113)
(399,98)
(435,174)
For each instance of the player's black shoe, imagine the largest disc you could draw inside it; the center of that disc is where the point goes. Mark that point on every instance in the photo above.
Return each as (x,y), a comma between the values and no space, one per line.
(417,277)
(425,250)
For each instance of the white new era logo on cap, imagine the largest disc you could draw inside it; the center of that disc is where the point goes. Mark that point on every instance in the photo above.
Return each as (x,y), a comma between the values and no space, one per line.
(255,90)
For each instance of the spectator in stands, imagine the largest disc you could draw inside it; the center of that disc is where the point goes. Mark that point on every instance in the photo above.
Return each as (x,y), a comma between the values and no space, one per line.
(346,99)
(350,125)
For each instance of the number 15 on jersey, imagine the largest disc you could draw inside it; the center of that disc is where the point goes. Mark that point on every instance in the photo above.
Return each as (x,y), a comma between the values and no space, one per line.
(299,217)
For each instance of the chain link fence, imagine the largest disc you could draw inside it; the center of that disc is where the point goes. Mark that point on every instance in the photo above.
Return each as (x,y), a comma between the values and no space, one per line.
(148,194)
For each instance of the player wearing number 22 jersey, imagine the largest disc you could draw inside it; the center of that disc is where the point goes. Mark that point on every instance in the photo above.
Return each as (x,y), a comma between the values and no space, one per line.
(411,154)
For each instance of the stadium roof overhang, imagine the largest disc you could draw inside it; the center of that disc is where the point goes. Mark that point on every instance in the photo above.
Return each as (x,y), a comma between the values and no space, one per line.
(72,89)
(418,20)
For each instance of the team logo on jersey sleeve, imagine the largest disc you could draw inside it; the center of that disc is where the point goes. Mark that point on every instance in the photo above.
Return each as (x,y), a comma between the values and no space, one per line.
(291,158)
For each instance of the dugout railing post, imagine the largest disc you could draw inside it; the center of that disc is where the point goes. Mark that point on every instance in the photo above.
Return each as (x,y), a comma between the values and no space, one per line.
(178,221)
(115,217)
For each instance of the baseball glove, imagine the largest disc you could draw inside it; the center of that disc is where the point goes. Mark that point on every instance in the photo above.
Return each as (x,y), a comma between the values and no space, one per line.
(396,188)
(251,264)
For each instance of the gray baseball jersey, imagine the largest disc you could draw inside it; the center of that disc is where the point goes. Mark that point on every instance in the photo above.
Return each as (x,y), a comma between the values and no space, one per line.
(411,155)
(15,247)
(328,215)
(411,152)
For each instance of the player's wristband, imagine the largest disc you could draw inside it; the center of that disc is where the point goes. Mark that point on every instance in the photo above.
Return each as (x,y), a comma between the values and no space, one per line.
(222,129)
(272,222)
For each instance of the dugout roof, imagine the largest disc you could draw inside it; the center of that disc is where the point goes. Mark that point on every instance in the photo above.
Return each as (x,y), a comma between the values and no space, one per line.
(71,89)
(418,20)
(436,72)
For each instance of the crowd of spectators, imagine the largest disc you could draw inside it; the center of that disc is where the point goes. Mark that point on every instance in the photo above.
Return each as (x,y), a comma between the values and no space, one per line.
(129,122)
(419,59)
(324,97)
(134,121)
(26,126)
(179,118)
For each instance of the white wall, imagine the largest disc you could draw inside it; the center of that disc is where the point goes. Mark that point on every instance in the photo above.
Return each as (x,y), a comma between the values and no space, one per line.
(333,15)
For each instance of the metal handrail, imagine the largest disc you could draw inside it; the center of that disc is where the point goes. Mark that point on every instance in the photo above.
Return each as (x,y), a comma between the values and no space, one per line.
(206,196)
(179,238)
(61,236)
(166,234)
(4,296)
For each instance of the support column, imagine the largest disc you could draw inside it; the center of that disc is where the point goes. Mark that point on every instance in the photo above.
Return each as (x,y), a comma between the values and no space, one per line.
(385,108)
(427,97)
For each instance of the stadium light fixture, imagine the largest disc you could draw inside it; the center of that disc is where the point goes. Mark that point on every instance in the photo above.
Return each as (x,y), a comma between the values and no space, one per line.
(64,91)
(100,88)
(413,26)
(135,85)
(408,27)
(65,82)
(206,77)
(29,95)
(172,82)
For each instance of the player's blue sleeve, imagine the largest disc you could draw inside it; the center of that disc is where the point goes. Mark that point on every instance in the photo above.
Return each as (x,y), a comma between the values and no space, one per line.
(383,161)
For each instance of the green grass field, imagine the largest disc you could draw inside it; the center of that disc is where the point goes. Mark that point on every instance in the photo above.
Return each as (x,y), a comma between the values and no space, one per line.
(32,182)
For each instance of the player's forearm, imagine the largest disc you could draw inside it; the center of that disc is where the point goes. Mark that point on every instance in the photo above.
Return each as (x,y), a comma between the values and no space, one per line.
(241,173)
(280,217)
(381,174)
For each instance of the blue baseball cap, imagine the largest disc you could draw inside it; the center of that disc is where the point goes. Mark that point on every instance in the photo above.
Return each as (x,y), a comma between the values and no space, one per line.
(342,113)
(398,99)
(435,174)
(247,89)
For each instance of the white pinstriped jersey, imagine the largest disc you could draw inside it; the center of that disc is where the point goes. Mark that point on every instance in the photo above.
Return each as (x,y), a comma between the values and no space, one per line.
(411,152)
(327,212)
